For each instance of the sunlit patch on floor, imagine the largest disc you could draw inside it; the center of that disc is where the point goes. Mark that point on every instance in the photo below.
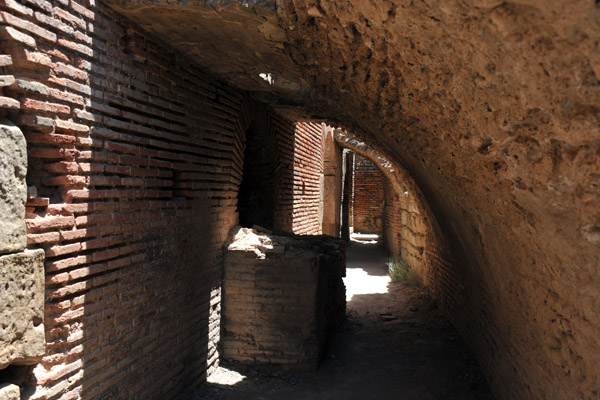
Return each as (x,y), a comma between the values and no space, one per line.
(358,281)
(364,238)
(224,376)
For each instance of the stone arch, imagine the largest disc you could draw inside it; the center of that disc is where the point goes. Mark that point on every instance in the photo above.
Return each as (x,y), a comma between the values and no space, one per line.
(415,220)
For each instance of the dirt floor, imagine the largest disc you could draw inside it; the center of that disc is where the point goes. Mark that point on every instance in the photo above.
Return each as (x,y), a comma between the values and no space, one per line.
(395,344)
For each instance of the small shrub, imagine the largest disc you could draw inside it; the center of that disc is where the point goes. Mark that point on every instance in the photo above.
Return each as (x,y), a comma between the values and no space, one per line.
(400,272)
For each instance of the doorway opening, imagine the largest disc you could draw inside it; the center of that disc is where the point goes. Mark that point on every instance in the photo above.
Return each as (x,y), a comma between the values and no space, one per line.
(257,194)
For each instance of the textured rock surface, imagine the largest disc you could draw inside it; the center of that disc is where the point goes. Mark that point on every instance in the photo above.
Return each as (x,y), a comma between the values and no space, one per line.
(240,42)
(13,190)
(22,339)
(9,392)
(493,108)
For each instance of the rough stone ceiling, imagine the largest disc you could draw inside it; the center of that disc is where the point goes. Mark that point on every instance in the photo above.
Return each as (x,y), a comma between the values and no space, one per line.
(236,41)
(493,107)
(507,89)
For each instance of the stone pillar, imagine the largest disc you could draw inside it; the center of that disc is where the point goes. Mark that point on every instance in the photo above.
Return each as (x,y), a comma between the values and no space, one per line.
(22,338)
(346,199)
(13,188)
(332,185)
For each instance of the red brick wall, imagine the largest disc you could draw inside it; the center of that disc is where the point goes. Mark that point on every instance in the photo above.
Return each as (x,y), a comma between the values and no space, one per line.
(281,306)
(367,202)
(137,157)
(263,197)
(296,165)
(308,167)
(391,220)
(285,139)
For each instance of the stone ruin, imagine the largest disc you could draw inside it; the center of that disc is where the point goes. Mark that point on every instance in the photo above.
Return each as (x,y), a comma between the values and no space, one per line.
(283,297)
(22,336)
(135,114)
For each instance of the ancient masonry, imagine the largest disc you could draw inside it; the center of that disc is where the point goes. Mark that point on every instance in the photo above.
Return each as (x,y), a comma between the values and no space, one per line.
(368,197)
(134,162)
(283,297)
(22,340)
(125,132)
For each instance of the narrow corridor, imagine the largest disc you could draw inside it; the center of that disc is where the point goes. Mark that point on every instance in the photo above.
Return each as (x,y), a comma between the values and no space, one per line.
(395,344)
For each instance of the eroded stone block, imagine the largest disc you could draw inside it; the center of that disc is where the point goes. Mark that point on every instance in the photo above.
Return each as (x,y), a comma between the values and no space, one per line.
(13,189)
(9,392)
(22,339)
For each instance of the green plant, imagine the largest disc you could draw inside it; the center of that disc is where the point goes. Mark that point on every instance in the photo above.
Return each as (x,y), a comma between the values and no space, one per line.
(400,272)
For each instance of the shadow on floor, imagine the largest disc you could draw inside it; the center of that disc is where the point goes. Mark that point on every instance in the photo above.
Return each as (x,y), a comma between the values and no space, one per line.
(393,345)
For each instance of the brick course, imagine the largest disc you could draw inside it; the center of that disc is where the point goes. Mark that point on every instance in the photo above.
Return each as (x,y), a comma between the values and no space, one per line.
(367,203)
(308,167)
(137,157)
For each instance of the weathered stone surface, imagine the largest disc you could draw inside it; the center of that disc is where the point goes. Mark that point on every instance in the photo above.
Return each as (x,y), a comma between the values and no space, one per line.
(13,189)
(9,392)
(29,85)
(22,339)
(9,103)
(241,42)
(6,80)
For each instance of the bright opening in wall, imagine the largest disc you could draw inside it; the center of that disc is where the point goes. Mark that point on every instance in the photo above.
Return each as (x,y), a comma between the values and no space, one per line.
(267,77)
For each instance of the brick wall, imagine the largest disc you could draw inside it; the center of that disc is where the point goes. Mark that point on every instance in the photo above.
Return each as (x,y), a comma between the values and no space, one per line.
(283,297)
(391,219)
(136,156)
(292,172)
(266,192)
(367,203)
(308,168)
(409,233)
(405,232)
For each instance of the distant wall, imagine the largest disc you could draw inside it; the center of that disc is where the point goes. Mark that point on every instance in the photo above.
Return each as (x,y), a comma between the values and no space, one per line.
(308,168)
(367,204)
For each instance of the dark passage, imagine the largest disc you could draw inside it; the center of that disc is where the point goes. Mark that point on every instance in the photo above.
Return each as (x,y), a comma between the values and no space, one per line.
(257,193)
(394,344)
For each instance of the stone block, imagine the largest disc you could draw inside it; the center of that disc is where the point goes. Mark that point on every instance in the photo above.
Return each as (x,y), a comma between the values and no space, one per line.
(22,338)
(9,392)
(283,297)
(13,189)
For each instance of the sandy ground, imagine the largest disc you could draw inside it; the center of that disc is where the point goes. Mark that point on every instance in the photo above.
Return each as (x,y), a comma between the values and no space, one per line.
(395,344)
